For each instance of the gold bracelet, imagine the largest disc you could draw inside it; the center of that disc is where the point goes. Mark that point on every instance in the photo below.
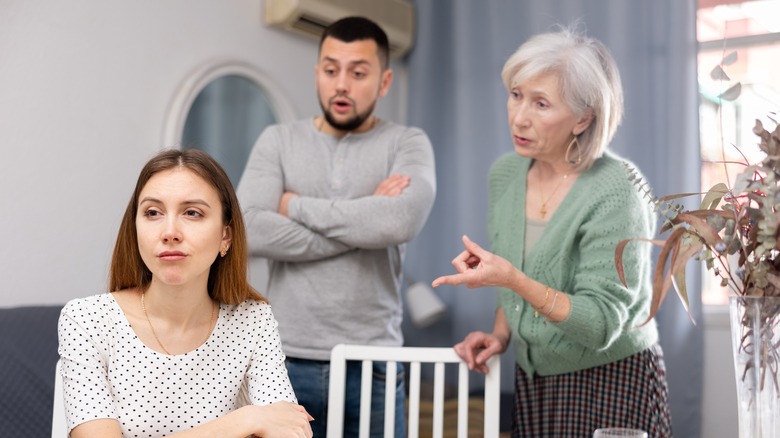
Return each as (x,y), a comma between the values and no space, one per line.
(552,306)
(546,297)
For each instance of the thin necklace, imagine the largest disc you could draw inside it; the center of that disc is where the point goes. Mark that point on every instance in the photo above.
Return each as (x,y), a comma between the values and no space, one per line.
(543,208)
(154,333)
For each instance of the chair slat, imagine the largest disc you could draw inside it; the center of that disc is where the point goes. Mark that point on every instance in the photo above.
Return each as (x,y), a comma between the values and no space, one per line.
(493,397)
(438,400)
(415,357)
(337,387)
(414,400)
(463,400)
(390,377)
(365,398)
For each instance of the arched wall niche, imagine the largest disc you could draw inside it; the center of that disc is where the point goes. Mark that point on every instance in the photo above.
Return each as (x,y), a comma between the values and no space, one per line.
(221,108)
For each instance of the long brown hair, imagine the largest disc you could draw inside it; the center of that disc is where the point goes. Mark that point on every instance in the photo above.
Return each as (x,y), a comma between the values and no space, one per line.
(228,275)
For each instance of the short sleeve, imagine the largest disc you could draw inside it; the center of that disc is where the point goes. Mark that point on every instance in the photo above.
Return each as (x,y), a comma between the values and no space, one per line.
(266,378)
(82,325)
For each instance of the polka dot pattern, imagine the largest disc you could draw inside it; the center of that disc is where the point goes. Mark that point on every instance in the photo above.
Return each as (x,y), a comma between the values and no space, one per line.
(109,373)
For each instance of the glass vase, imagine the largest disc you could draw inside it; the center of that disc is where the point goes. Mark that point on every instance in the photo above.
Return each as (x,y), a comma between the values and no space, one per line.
(755,338)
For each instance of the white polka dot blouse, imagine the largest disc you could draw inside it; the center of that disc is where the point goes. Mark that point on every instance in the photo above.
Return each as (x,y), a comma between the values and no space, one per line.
(109,373)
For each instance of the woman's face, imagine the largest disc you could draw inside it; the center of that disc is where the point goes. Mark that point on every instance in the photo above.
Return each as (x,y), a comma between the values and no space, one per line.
(179,226)
(540,121)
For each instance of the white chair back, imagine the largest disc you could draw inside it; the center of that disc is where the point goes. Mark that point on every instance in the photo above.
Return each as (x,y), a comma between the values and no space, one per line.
(414,356)
(59,426)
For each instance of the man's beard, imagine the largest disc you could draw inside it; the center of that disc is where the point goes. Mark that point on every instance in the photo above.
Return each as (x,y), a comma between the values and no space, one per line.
(349,124)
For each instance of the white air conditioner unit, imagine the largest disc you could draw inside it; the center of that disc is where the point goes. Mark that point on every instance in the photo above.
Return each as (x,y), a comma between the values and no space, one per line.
(311,17)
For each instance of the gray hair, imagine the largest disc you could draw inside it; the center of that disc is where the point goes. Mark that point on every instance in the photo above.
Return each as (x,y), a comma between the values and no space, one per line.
(589,81)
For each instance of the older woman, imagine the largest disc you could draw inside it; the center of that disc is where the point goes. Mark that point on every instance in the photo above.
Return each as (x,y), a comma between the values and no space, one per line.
(182,346)
(558,207)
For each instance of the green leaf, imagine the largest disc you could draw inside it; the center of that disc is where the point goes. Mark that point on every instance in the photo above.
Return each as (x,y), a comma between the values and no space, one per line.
(730,58)
(677,196)
(660,286)
(714,195)
(620,248)
(718,74)
(682,253)
(716,221)
(706,232)
(732,93)
(700,216)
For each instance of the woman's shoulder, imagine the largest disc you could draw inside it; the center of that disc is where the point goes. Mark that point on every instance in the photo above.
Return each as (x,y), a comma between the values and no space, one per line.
(278,135)
(89,305)
(509,161)
(613,186)
(248,310)
(507,167)
(393,128)
(93,313)
(614,172)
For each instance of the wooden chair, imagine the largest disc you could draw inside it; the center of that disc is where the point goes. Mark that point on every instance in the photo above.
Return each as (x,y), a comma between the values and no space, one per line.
(414,356)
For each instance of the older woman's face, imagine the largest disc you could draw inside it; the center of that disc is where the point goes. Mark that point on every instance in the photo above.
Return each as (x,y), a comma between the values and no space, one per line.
(540,121)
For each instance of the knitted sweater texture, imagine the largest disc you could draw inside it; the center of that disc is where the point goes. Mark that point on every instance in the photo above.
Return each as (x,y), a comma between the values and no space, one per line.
(576,255)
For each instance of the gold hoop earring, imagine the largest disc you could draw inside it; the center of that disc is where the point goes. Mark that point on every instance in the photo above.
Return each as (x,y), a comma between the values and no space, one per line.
(223,252)
(568,151)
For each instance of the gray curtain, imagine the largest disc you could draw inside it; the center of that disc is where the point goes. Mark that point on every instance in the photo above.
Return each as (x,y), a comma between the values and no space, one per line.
(456,96)
(225,120)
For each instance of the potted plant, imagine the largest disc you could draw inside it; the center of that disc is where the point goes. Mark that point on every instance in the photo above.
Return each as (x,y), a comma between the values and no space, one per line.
(736,233)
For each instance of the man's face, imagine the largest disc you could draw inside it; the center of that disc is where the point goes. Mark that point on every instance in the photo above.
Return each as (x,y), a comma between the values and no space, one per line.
(350,80)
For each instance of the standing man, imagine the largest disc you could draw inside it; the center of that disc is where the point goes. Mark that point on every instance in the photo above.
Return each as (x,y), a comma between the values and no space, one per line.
(331,201)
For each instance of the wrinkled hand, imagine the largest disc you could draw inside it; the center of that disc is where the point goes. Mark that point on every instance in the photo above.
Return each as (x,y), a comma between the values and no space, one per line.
(284,201)
(393,186)
(477,267)
(281,420)
(477,347)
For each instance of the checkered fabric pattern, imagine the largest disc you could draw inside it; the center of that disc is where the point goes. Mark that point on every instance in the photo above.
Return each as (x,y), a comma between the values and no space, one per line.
(28,355)
(631,393)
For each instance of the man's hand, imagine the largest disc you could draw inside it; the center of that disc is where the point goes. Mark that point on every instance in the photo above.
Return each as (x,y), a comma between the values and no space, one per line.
(285,201)
(393,186)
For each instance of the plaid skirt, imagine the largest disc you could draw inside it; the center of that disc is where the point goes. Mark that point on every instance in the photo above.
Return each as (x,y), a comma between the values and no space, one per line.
(631,393)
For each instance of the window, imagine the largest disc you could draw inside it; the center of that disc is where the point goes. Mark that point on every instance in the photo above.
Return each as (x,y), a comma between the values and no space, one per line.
(752,30)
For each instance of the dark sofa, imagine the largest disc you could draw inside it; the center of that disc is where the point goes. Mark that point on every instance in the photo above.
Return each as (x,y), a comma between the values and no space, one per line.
(28,356)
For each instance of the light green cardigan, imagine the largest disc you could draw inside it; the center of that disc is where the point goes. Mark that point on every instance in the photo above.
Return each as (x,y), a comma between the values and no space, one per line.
(576,255)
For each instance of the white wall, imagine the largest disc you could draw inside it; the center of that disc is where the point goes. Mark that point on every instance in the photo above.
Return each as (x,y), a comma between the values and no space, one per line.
(84,90)
(719,408)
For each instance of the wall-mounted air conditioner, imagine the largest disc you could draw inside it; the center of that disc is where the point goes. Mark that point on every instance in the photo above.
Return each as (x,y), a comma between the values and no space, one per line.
(311,17)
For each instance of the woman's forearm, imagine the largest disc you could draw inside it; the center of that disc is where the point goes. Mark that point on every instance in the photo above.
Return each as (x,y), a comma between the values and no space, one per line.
(501,328)
(546,301)
(230,425)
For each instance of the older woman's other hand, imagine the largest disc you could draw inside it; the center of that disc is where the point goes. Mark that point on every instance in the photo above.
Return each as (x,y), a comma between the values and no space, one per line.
(478,267)
(477,347)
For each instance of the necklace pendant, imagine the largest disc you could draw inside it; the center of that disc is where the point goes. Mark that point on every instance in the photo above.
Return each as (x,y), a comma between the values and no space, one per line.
(543,210)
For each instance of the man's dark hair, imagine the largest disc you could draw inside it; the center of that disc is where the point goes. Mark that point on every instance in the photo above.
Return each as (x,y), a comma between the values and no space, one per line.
(351,29)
